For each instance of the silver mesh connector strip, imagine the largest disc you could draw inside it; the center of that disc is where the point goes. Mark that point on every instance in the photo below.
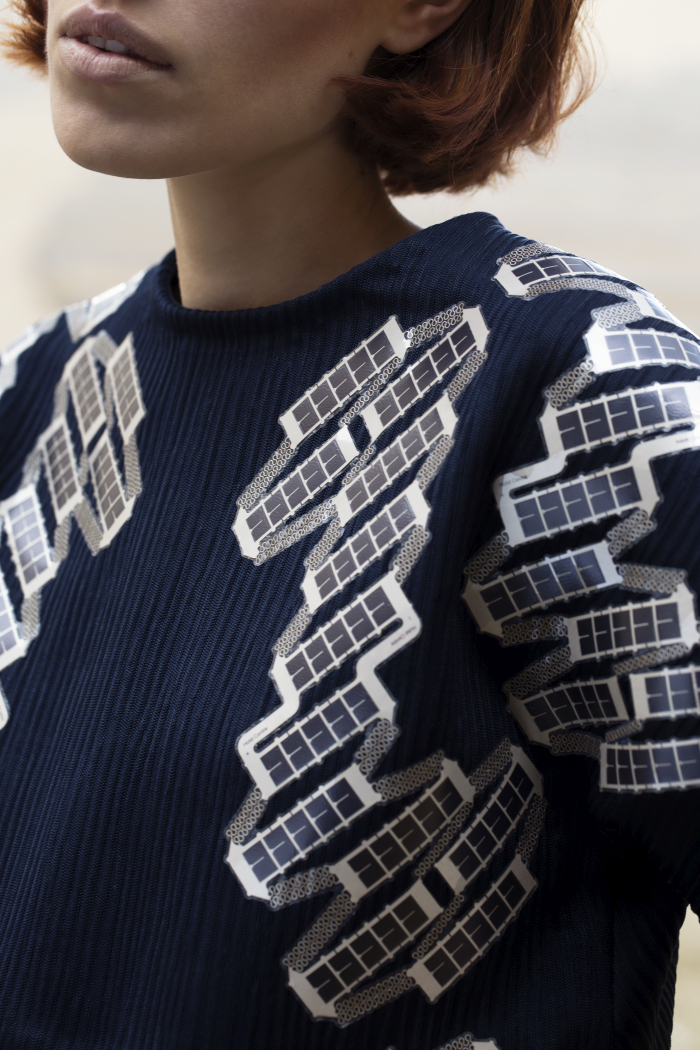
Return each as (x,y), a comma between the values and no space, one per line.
(466,373)
(31,469)
(366,396)
(570,384)
(617,315)
(61,539)
(492,766)
(264,478)
(83,468)
(325,545)
(575,743)
(359,464)
(409,553)
(406,781)
(60,399)
(434,326)
(247,818)
(302,886)
(372,998)
(30,616)
(536,629)
(435,932)
(629,532)
(88,526)
(132,469)
(312,943)
(527,251)
(532,827)
(652,658)
(452,829)
(434,461)
(295,531)
(579,284)
(489,558)
(627,729)
(109,402)
(539,674)
(651,579)
(375,745)
(293,631)
(462,1042)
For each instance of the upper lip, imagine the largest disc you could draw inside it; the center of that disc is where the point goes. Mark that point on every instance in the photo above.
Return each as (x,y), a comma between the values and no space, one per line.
(86,21)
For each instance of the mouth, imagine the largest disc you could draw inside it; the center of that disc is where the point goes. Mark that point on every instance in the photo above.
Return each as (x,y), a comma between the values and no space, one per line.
(104,46)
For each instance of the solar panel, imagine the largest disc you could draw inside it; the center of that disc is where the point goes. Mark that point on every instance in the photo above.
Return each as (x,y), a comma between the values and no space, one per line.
(471,937)
(380,857)
(519,278)
(652,766)
(415,382)
(591,702)
(384,531)
(316,819)
(672,692)
(12,645)
(357,957)
(123,376)
(488,831)
(638,348)
(335,389)
(112,503)
(536,586)
(29,544)
(61,469)
(299,488)
(349,631)
(81,373)
(401,454)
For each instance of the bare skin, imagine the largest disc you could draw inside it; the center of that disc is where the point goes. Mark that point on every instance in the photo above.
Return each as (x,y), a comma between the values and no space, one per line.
(231,101)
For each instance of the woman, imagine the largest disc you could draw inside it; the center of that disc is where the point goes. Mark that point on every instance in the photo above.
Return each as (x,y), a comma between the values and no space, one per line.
(267,780)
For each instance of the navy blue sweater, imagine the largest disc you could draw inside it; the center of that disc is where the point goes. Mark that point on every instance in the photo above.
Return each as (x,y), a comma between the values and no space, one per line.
(346,650)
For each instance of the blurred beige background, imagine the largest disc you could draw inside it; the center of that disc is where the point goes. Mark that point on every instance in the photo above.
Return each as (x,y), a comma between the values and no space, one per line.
(622,188)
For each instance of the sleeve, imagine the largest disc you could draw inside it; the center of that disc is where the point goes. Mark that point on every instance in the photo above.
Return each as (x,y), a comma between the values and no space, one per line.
(596,569)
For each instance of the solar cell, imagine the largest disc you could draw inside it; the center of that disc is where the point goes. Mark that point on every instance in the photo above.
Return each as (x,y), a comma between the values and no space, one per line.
(637,348)
(112,503)
(26,533)
(651,766)
(12,645)
(61,469)
(518,279)
(81,374)
(594,701)
(671,692)
(123,376)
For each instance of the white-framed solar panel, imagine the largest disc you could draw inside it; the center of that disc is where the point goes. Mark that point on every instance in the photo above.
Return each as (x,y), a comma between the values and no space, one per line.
(517,279)
(113,506)
(667,693)
(61,469)
(595,701)
(123,376)
(636,348)
(12,645)
(658,765)
(86,393)
(26,533)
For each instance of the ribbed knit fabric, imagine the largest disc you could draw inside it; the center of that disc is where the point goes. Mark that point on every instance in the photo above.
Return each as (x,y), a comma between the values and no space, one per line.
(123,926)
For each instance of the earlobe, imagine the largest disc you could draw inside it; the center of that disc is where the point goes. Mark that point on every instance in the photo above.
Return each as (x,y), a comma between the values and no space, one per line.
(417,22)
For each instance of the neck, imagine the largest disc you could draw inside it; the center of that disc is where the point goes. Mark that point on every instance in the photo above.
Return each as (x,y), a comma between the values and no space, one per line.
(279,228)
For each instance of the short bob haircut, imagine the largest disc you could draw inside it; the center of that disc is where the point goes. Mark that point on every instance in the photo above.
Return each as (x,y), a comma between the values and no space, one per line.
(453,114)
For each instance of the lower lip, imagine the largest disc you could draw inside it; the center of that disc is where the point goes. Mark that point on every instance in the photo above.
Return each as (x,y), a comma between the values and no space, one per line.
(105,67)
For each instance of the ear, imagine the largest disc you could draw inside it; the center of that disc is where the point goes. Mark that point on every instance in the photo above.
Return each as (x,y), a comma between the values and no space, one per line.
(417,22)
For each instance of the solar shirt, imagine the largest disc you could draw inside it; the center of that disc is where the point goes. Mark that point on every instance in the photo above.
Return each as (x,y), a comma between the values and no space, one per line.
(597,701)
(384,531)
(12,646)
(629,628)
(61,469)
(335,389)
(81,374)
(431,368)
(669,693)
(589,424)
(312,738)
(488,831)
(122,373)
(356,958)
(472,936)
(402,453)
(518,279)
(299,488)
(554,579)
(652,766)
(348,632)
(638,347)
(399,841)
(109,493)
(316,819)
(29,544)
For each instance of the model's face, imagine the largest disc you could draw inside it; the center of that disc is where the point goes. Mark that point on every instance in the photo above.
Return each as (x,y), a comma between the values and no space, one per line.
(217,83)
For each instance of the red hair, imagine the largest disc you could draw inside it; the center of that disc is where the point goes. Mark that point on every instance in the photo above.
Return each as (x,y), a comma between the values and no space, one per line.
(454,113)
